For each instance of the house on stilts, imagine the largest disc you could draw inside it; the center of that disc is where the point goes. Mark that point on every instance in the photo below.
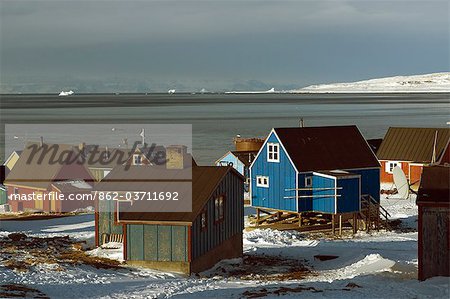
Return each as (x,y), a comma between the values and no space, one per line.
(321,170)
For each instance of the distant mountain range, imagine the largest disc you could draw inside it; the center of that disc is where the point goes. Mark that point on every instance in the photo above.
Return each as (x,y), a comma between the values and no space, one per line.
(436,82)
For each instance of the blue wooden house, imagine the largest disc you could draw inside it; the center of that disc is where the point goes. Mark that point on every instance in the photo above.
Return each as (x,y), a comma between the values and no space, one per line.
(239,160)
(314,169)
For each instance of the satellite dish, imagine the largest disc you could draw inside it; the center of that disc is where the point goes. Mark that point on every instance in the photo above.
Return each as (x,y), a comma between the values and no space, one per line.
(401,182)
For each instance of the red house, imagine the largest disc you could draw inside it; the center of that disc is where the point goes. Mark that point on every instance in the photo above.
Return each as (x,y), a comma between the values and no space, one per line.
(412,149)
(434,222)
(43,174)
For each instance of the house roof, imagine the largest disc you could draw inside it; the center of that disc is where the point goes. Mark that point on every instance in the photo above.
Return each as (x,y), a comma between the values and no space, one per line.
(246,157)
(103,157)
(72,186)
(205,180)
(375,144)
(435,185)
(31,171)
(413,144)
(327,148)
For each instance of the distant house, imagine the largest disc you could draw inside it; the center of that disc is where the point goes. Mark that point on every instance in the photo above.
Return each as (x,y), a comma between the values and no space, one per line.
(239,160)
(40,169)
(12,159)
(314,169)
(411,149)
(185,242)
(434,222)
(101,160)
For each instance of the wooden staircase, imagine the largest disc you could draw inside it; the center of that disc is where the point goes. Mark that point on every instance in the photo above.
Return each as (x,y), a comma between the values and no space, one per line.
(373,215)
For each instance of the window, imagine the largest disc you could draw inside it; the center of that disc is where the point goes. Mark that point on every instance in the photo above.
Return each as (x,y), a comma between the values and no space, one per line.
(262,181)
(308,181)
(273,152)
(137,160)
(16,191)
(219,203)
(204,220)
(390,165)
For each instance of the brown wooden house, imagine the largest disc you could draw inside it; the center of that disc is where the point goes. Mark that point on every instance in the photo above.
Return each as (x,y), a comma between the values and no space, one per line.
(184,242)
(434,222)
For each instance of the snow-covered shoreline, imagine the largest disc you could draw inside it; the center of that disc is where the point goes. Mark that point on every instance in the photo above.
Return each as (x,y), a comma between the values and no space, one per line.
(427,83)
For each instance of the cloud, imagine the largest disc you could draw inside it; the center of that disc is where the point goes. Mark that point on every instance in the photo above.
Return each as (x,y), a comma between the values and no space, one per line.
(276,41)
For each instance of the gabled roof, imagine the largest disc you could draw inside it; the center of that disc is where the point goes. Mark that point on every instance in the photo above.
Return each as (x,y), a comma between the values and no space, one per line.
(246,157)
(31,171)
(205,180)
(413,144)
(326,148)
(435,185)
(103,157)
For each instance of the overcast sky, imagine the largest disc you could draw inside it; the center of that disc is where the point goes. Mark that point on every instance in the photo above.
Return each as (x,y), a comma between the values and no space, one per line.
(217,45)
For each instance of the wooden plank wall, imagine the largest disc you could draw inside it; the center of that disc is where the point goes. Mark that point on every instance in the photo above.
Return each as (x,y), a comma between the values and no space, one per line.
(146,242)
(435,242)
(217,233)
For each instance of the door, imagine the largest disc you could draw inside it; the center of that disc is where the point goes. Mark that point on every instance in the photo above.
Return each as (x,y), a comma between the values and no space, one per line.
(38,204)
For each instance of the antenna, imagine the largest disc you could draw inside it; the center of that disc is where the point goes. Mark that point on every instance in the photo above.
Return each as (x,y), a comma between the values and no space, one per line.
(142,134)
(433,157)
(302,123)
(401,182)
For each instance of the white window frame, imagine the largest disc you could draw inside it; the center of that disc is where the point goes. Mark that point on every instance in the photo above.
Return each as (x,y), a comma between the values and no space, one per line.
(134,159)
(306,181)
(390,165)
(274,150)
(262,181)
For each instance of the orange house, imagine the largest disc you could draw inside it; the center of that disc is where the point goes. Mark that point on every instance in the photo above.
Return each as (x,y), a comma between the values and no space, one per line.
(411,149)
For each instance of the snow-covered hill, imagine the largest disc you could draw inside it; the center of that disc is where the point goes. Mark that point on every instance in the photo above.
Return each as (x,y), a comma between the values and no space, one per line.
(436,82)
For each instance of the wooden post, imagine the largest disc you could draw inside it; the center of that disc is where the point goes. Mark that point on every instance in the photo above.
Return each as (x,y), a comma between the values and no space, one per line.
(299,219)
(368,217)
(332,224)
(378,217)
(340,224)
(355,223)
(257,217)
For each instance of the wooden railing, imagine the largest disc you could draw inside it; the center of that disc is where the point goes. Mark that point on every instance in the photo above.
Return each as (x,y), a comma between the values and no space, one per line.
(372,210)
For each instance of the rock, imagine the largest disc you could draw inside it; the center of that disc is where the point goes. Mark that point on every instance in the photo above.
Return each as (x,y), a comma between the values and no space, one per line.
(17,236)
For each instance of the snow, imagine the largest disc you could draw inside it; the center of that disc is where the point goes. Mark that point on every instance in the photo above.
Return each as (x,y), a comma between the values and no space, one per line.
(66,93)
(111,250)
(379,264)
(66,227)
(435,82)
(272,90)
(76,183)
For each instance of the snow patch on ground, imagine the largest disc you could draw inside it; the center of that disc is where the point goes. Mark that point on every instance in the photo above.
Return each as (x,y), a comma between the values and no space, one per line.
(62,228)
(380,264)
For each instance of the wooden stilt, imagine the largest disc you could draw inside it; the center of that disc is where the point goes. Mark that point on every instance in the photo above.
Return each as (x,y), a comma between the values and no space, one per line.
(368,217)
(355,223)
(257,217)
(378,218)
(299,219)
(340,224)
(333,229)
